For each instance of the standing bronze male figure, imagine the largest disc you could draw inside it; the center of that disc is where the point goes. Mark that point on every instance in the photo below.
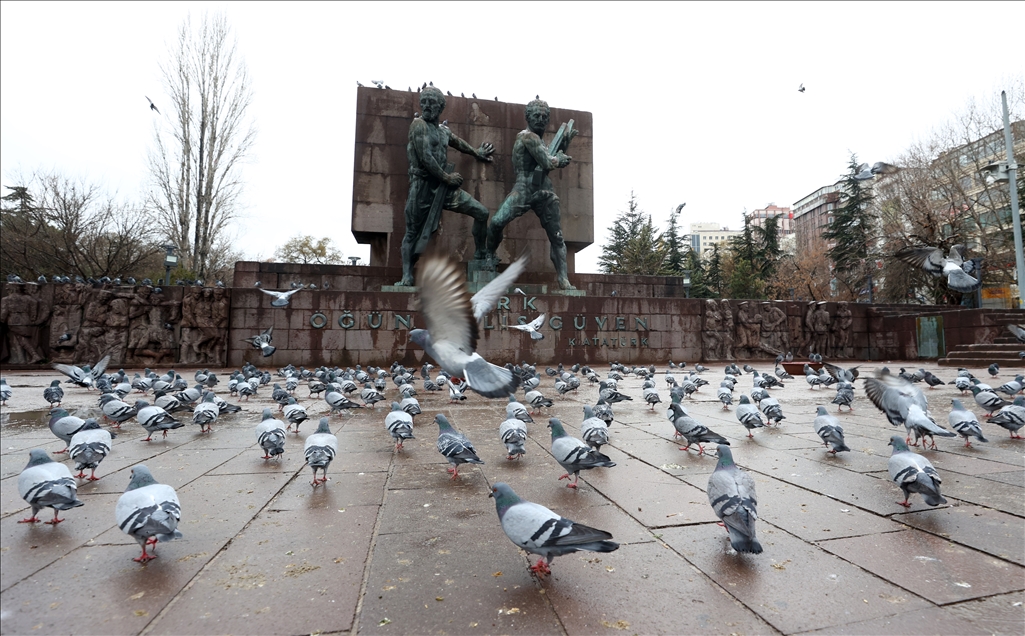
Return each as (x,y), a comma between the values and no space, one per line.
(432,187)
(532,161)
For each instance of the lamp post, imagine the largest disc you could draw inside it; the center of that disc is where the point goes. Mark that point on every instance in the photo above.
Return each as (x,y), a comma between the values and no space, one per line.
(170,262)
(686,283)
(1007,171)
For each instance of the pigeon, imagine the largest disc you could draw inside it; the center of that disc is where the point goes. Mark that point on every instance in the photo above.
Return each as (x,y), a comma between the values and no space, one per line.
(532,327)
(540,531)
(270,434)
(920,424)
(651,396)
(454,446)
(452,330)
(893,395)
(840,374)
(410,405)
(206,413)
(829,429)
(731,492)
(64,426)
(594,431)
(965,423)
(262,342)
(748,415)
(1012,387)
(693,431)
(1011,417)
(295,413)
(45,483)
(865,173)
(152,106)
(844,396)
(516,410)
(932,380)
(5,391)
(1018,332)
(281,299)
(800,89)
(513,433)
(537,401)
(154,418)
(399,424)
(574,455)
(53,394)
(988,400)
(339,402)
(148,512)
(86,376)
(725,396)
(994,370)
(88,447)
(320,449)
(913,473)
(772,409)
(953,266)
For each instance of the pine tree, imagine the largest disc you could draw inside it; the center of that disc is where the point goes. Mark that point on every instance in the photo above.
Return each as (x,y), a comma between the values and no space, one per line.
(698,277)
(713,273)
(675,245)
(634,246)
(852,230)
(770,251)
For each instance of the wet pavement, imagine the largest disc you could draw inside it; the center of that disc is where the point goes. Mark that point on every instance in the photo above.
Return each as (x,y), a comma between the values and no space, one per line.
(392,545)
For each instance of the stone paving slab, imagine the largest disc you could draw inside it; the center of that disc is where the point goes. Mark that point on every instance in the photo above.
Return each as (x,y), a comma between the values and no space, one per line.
(673,573)
(930,566)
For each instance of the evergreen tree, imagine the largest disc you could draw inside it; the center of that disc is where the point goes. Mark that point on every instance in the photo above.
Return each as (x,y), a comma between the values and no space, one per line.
(634,246)
(675,244)
(744,245)
(698,277)
(770,252)
(713,273)
(852,231)
(744,282)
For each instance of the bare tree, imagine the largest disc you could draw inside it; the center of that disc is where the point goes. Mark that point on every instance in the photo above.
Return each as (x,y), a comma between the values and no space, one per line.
(52,224)
(196,162)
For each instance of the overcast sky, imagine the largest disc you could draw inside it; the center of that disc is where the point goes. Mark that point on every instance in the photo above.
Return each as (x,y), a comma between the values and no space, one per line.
(694,103)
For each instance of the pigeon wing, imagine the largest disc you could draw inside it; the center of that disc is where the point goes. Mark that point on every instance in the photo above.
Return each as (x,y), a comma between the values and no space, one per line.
(445,303)
(100,367)
(928,258)
(485,299)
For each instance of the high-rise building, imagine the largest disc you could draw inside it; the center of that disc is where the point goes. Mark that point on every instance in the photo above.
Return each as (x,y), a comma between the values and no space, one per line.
(785,224)
(704,235)
(812,215)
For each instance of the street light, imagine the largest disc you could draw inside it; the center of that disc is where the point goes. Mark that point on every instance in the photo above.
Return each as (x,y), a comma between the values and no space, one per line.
(686,283)
(1007,171)
(170,262)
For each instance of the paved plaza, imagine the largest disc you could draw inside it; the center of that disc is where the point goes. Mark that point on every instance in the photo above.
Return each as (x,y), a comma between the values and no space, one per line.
(392,545)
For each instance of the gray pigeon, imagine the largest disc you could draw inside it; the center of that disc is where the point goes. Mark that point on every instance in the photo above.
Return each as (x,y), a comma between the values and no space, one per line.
(893,395)
(154,418)
(270,435)
(988,400)
(517,410)
(953,266)
(731,492)
(262,342)
(115,410)
(540,531)
(692,430)
(921,425)
(574,455)
(514,434)
(533,327)
(1011,417)
(594,431)
(452,329)
(206,413)
(844,395)
(88,447)
(399,424)
(965,423)
(45,483)
(537,401)
(913,473)
(281,299)
(748,415)
(148,512)
(320,449)
(829,429)
(64,426)
(86,376)
(295,413)
(53,394)
(6,393)
(454,446)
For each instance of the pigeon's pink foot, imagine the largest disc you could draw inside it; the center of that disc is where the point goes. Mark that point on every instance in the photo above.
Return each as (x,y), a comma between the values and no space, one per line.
(904,503)
(32,519)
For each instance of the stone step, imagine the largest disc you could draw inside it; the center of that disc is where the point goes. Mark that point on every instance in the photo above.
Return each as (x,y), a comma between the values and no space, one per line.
(994,346)
(980,363)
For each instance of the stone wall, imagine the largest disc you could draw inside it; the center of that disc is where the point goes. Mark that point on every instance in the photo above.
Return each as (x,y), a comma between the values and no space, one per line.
(348,321)
(381,183)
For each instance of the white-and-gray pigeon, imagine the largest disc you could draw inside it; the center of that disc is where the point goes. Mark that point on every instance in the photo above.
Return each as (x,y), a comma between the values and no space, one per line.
(965,423)
(913,473)
(513,432)
(574,455)
(148,512)
(748,415)
(270,435)
(64,426)
(452,329)
(45,483)
(262,342)
(86,376)
(320,449)
(731,492)
(829,429)
(454,446)
(399,424)
(1011,417)
(540,531)
(593,430)
(533,327)
(953,266)
(281,299)
(88,447)
(154,418)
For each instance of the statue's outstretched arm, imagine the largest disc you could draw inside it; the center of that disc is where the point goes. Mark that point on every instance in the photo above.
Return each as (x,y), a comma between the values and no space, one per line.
(481,154)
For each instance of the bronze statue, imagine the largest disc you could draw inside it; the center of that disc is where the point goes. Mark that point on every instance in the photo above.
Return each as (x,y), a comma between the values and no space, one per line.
(433,186)
(532,161)
(20,313)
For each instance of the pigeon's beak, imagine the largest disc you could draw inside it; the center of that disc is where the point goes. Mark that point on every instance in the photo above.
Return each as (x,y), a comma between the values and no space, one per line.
(493,491)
